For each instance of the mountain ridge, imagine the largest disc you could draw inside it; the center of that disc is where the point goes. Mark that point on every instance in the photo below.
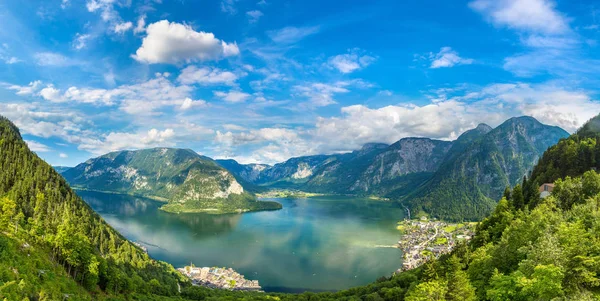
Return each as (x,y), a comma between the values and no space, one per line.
(187,181)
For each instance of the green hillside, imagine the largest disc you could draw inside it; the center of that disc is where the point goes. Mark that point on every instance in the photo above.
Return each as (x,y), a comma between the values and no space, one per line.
(185,180)
(473,177)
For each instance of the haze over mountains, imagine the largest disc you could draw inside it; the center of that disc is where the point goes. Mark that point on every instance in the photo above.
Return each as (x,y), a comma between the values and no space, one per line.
(458,179)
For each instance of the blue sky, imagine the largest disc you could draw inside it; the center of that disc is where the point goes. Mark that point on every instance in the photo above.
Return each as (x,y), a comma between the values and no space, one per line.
(263,81)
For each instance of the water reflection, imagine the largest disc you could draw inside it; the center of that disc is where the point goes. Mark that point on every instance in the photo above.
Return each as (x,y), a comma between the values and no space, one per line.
(317,244)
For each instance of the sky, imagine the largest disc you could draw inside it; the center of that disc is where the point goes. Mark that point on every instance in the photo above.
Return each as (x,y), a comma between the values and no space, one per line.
(266,80)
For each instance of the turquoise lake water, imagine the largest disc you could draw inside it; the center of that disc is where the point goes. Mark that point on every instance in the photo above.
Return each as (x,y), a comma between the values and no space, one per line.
(315,244)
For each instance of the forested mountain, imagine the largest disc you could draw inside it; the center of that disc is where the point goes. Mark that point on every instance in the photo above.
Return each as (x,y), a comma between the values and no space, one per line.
(187,181)
(41,216)
(457,180)
(474,176)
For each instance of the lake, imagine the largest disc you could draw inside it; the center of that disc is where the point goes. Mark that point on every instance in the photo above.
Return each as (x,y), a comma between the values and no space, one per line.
(314,244)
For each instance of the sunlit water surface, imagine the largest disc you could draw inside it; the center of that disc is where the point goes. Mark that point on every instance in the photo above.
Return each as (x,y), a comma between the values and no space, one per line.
(322,243)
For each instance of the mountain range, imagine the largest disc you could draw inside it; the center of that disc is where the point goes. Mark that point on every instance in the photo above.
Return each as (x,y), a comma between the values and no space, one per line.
(454,180)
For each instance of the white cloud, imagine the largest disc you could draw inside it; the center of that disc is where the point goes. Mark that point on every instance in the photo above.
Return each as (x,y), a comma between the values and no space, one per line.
(52,59)
(448,117)
(123,27)
(254,15)
(171,42)
(188,103)
(322,94)
(115,141)
(447,58)
(232,96)
(12,60)
(290,34)
(52,94)
(37,147)
(143,98)
(106,8)
(34,120)
(527,15)
(64,4)
(206,76)
(31,88)
(141,25)
(63,155)
(351,61)
(80,41)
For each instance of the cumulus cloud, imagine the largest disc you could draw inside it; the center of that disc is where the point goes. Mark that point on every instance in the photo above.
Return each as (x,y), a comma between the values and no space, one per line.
(448,117)
(274,144)
(52,94)
(351,61)
(290,34)
(447,58)
(171,42)
(116,141)
(232,96)
(254,15)
(63,155)
(206,76)
(528,15)
(188,103)
(37,147)
(30,89)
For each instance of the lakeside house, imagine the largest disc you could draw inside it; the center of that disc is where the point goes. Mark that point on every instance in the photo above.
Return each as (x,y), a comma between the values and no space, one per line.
(546,189)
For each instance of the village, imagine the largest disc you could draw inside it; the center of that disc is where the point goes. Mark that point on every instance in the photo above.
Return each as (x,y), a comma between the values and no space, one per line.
(425,239)
(221,278)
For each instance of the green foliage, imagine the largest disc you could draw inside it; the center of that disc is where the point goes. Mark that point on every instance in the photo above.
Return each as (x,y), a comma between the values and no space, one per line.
(37,206)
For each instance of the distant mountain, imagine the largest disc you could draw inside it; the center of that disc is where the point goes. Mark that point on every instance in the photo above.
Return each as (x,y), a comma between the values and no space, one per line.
(481,165)
(458,179)
(293,172)
(61,169)
(187,181)
(409,157)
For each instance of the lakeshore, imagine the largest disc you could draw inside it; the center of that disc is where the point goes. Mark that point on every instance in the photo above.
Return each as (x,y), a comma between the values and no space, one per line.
(219,278)
(424,239)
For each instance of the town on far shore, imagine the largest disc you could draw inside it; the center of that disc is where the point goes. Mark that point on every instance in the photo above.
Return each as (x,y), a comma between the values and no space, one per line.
(425,239)
(221,278)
